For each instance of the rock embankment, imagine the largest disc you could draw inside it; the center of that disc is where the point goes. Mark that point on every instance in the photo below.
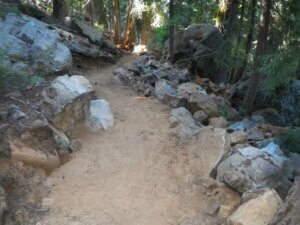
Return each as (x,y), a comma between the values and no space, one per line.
(243,154)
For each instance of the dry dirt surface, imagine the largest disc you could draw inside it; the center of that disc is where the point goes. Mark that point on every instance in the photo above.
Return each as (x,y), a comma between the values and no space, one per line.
(127,175)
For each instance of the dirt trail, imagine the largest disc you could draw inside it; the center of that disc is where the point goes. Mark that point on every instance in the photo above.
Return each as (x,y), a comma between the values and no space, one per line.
(126,175)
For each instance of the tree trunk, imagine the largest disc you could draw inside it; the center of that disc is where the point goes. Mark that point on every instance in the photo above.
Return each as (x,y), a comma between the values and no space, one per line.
(171,30)
(117,21)
(96,12)
(146,27)
(129,35)
(260,50)
(226,15)
(59,10)
(249,39)
(240,34)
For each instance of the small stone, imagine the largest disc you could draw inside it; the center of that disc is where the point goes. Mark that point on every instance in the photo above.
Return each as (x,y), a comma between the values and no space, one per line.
(200,116)
(75,145)
(238,137)
(218,122)
(255,134)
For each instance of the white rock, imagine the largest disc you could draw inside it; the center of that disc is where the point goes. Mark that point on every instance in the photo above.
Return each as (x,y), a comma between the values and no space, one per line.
(99,115)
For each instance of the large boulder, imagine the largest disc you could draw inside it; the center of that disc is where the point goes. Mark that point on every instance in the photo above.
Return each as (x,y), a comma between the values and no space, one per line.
(251,168)
(71,101)
(31,46)
(184,122)
(288,213)
(205,150)
(258,208)
(93,34)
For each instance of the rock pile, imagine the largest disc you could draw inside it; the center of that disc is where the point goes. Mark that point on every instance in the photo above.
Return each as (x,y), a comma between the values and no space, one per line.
(243,155)
(35,130)
(35,47)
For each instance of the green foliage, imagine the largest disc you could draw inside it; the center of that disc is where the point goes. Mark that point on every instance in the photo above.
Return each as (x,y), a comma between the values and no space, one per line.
(290,140)
(14,80)
(9,9)
(223,111)
(280,69)
(161,34)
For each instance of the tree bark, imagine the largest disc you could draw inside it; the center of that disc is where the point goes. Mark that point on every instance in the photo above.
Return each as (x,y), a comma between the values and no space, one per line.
(249,39)
(96,12)
(59,10)
(117,21)
(241,23)
(260,50)
(146,27)
(129,35)
(171,30)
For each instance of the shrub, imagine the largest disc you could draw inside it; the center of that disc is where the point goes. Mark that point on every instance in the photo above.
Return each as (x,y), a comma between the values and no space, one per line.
(11,80)
(290,140)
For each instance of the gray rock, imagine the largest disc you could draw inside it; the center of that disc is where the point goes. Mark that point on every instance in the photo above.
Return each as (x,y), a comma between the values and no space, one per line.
(251,168)
(218,122)
(75,145)
(15,113)
(99,116)
(186,89)
(288,213)
(204,102)
(71,101)
(255,134)
(94,35)
(200,116)
(32,47)
(164,91)
(243,125)
(3,203)
(295,160)
(62,142)
(184,122)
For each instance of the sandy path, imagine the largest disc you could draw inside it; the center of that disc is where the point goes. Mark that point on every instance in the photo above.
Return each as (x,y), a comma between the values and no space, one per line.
(124,175)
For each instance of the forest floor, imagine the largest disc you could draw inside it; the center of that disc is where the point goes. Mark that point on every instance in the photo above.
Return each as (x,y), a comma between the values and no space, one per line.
(126,175)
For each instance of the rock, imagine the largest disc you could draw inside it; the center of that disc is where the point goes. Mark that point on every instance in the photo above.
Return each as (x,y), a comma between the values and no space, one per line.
(295,160)
(166,93)
(290,103)
(71,102)
(218,122)
(62,142)
(75,145)
(204,102)
(32,47)
(243,125)
(271,116)
(99,115)
(94,35)
(225,108)
(3,203)
(251,168)
(274,130)
(218,198)
(259,210)
(15,113)
(33,157)
(186,89)
(238,137)
(211,146)
(273,149)
(288,213)
(184,122)
(84,48)
(200,116)
(255,134)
